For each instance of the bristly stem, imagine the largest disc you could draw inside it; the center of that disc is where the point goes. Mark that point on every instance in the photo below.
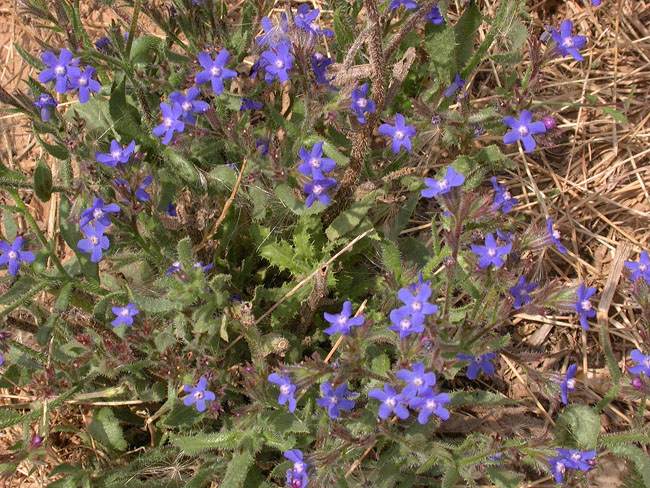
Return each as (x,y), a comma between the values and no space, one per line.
(133,26)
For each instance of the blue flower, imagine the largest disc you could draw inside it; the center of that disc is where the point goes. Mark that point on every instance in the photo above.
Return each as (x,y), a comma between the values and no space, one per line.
(287,390)
(274,35)
(98,213)
(249,104)
(342,322)
(583,306)
(391,402)
(416,301)
(568,383)
(124,315)
(189,104)
(175,267)
(521,292)
(319,64)
(570,459)
(435,17)
(553,236)
(316,190)
(430,403)
(203,267)
(84,82)
(59,69)
(336,399)
(94,241)
(170,210)
(596,3)
(297,475)
(361,105)
(640,269)
(13,255)
(171,122)
(408,4)
(313,163)
(198,395)
(502,199)
(103,44)
(642,361)
(400,133)
(141,191)
(404,323)
(478,363)
(491,253)
(417,380)
(523,129)
(214,70)
(457,84)
(444,185)
(116,155)
(566,43)
(46,103)
(277,62)
(305,20)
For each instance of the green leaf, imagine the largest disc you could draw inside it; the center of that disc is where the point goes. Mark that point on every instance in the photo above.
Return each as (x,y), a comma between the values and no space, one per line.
(43,181)
(441,49)
(155,304)
(392,259)
(465,33)
(237,470)
(196,444)
(286,195)
(29,59)
(504,478)
(56,150)
(638,457)
(617,115)
(144,48)
(183,168)
(126,117)
(106,429)
(579,425)
(349,220)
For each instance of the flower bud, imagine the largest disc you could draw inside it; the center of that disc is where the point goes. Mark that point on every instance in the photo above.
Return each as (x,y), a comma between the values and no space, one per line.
(637,383)
(549,122)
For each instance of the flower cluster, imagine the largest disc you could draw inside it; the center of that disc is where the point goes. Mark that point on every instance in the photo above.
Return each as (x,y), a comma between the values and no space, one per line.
(67,75)
(297,475)
(314,166)
(410,317)
(94,222)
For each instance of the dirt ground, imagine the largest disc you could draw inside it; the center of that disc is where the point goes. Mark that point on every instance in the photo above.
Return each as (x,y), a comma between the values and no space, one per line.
(600,166)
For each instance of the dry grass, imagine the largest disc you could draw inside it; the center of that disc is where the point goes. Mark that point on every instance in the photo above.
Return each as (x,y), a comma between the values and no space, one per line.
(594,180)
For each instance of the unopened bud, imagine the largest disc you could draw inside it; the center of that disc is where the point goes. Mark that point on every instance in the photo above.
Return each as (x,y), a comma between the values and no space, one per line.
(549,122)
(637,383)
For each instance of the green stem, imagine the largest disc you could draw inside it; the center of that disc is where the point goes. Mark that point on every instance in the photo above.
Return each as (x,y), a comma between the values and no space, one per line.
(132,27)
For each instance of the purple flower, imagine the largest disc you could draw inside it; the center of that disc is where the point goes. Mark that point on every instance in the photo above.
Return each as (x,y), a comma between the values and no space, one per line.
(174,268)
(570,459)
(124,315)
(642,361)
(640,269)
(2,359)
(491,253)
(305,20)
(262,145)
(171,122)
(335,399)
(316,190)
(189,103)
(214,70)
(549,122)
(404,323)
(171,210)
(456,85)
(478,363)
(274,35)
(59,69)
(521,292)
(568,383)
(342,322)
(435,17)
(502,199)
(287,390)
(297,475)
(417,301)
(596,3)
(277,62)
(391,402)
(430,403)
(198,395)
(13,255)
(85,83)
(583,305)
(46,103)
(553,236)
(141,191)
(116,155)
(408,4)
(417,380)
(361,105)
(249,104)
(98,213)
(567,44)
(203,267)
(102,44)
(400,133)
(319,64)
(523,129)
(94,241)
(313,163)
(444,185)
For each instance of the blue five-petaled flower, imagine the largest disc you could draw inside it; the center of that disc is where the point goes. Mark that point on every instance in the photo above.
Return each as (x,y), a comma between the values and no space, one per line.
(491,253)
(391,402)
(570,459)
(98,213)
(198,395)
(287,390)
(642,361)
(313,164)
(118,154)
(342,323)
(13,255)
(566,43)
(444,185)
(640,270)
(172,121)
(478,363)
(583,306)
(361,104)
(214,70)
(124,315)
(94,241)
(503,200)
(521,292)
(189,103)
(417,380)
(60,69)
(523,129)
(568,383)
(335,400)
(297,475)
(400,133)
